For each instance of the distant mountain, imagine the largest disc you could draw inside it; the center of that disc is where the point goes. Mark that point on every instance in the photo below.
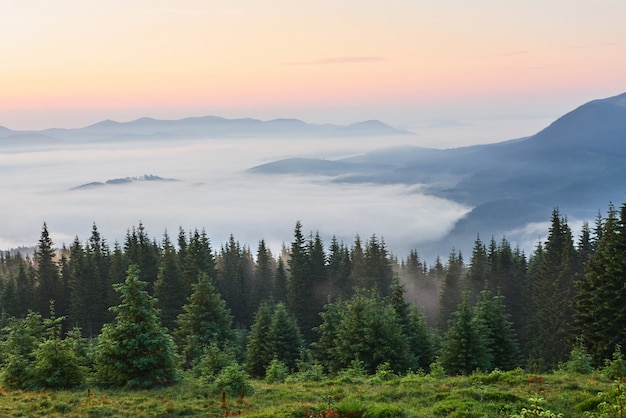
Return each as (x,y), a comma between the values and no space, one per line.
(577,164)
(203,127)
(123,180)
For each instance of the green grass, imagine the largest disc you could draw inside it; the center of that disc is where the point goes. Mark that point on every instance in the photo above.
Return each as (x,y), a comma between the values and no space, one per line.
(497,394)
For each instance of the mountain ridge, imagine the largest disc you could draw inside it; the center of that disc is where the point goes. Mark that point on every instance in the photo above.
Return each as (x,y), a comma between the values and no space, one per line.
(207,126)
(577,163)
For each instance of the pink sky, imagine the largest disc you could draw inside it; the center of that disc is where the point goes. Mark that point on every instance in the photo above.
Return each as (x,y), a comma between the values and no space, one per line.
(70,63)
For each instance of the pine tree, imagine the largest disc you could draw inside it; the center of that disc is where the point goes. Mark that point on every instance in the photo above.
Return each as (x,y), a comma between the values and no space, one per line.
(299,285)
(259,352)
(169,288)
(280,282)
(143,252)
(135,350)
(263,275)
(56,364)
(493,321)
(451,290)
(599,305)
(414,328)
(284,337)
(479,272)
(205,320)
(366,329)
(464,348)
(551,291)
(339,268)
(48,287)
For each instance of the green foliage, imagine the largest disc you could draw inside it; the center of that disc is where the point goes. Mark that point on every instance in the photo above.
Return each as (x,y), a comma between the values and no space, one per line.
(205,321)
(579,361)
(365,328)
(23,339)
(615,368)
(284,337)
(537,410)
(213,360)
(234,381)
(56,364)
(465,348)
(276,372)
(259,348)
(384,411)
(135,350)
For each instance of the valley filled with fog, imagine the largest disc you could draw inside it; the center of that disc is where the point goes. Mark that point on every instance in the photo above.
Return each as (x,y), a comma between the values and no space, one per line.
(212,191)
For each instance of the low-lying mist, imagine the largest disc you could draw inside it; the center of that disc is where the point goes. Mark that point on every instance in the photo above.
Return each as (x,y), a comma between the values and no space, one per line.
(213,192)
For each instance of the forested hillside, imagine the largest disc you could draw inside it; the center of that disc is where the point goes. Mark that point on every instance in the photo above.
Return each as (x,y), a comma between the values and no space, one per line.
(132,313)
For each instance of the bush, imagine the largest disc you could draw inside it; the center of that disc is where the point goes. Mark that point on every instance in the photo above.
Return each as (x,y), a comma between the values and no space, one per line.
(579,361)
(384,411)
(213,360)
(276,371)
(234,381)
(616,367)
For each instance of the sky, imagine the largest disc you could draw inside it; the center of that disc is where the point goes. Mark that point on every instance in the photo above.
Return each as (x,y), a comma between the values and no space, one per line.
(453,72)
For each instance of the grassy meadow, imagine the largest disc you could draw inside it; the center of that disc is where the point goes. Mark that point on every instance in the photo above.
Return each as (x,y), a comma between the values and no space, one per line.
(496,394)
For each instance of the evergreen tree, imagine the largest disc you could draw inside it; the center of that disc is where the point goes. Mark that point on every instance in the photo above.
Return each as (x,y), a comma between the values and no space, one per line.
(414,328)
(599,305)
(300,286)
(205,320)
(135,350)
(339,268)
(263,274)
(451,290)
(24,337)
(143,252)
(235,281)
(365,328)
(284,337)
(377,271)
(551,292)
(259,351)
(56,365)
(464,348)
(493,321)
(280,282)
(479,272)
(48,286)
(169,288)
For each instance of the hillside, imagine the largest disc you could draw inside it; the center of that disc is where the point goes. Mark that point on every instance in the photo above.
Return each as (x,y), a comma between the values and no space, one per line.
(578,163)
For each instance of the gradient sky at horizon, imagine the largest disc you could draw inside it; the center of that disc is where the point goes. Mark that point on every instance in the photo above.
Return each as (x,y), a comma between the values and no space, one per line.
(70,63)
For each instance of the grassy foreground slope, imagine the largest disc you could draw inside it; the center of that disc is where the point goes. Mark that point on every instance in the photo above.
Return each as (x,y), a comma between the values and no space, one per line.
(497,394)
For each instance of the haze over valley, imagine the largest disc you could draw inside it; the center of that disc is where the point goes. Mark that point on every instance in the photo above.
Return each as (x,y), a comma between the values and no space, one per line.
(254,179)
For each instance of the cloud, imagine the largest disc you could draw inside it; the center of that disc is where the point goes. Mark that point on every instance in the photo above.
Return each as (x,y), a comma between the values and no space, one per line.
(215,193)
(340,60)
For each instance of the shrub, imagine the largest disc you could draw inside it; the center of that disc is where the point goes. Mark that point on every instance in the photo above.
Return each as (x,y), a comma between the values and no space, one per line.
(579,361)
(234,381)
(213,360)
(276,371)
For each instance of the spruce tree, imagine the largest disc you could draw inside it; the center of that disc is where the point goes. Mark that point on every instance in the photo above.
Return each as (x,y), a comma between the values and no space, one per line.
(263,275)
(284,337)
(48,287)
(134,350)
(259,352)
(452,289)
(464,348)
(205,320)
(169,288)
(493,321)
(599,305)
(551,293)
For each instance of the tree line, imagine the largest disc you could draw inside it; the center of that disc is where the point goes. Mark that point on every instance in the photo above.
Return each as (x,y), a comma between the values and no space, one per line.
(311,307)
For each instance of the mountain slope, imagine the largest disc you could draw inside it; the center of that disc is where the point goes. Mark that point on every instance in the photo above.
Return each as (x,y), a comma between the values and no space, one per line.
(578,163)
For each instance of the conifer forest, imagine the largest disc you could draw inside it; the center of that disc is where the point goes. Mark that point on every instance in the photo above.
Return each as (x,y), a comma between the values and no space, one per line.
(139,313)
